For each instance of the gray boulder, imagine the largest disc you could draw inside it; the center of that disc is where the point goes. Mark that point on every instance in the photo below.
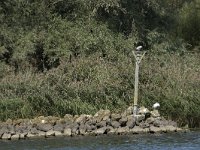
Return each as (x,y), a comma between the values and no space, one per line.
(44,127)
(144,125)
(100,131)
(115,124)
(155,113)
(67,132)
(30,135)
(123,121)
(81,119)
(50,133)
(22,135)
(170,128)
(137,130)
(100,115)
(154,129)
(150,120)
(6,136)
(115,117)
(58,127)
(101,124)
(139,118)
(130,124)
(122,130)
(82,129)
(15,137)
(58,133)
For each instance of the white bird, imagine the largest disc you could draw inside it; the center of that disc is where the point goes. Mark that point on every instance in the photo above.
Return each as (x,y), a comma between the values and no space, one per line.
(156,105)
(139,48)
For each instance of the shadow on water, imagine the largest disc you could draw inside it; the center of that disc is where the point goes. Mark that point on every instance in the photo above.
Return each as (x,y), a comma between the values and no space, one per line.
(177,141)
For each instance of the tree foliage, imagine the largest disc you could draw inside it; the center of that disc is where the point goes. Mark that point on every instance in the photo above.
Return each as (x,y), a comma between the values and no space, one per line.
(80,51)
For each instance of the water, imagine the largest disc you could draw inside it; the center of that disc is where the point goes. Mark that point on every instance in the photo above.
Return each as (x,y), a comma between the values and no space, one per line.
(176,141)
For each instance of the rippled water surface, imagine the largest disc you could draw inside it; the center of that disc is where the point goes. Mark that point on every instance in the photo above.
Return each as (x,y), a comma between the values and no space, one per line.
(177,141)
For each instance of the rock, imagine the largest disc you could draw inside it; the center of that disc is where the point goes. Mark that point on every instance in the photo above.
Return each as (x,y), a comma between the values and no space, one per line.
(68,118)
(123,121)
(6,136)
(143,111)
(102,114)
(88,127)
(100,131)
(67,132)
(170,128)
(130,124)
(91,121)
(137,130)
(44,127)
(115,117)
(158,123)
(3,130)
(115,124)
(81,119)
(106,118)
(82,129)
(131,121)
(15,137)
(128,111)
(172,123)
(155,113)
(34,131)
(122,130)
(30,135)
(58,127)
(153,129)
(139,118)
(74,127)
(93,127)
(101,124)
(41,134)
(108,128)
(22,135)
(144,125)
(150,120)
(21,129)
(50,133)
(9,121)
(163,129)
(58,133)
(112,131)
(179,130)
(52,120)
(11,129)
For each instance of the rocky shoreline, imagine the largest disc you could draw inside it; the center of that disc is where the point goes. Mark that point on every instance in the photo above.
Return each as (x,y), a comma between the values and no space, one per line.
(103,122)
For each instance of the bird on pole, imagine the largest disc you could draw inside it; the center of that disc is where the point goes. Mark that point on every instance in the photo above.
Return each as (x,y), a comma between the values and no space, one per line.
(139,48)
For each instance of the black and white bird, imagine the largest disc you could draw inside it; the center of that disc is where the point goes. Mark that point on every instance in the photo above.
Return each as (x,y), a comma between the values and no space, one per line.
(156,105)
(139,48)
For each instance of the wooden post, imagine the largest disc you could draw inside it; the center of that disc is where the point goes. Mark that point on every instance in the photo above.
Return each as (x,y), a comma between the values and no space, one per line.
(138,57)
(136,88)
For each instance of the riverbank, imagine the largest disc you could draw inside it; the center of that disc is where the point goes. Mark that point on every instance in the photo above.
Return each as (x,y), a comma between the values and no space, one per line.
(103,122)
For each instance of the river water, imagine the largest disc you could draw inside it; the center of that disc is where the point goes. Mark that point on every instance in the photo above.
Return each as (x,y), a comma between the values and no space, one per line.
(175,141)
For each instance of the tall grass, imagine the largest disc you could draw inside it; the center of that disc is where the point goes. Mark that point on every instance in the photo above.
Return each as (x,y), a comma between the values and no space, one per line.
(88,84)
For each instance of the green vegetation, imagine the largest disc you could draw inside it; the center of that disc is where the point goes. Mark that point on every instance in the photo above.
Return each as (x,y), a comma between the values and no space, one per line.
(74,56)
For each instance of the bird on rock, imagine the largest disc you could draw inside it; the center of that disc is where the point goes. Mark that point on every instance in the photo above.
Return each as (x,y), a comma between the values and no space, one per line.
(156,105)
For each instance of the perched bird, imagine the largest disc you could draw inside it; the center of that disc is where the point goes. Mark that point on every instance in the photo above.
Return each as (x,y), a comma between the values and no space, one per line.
(138,48)
(156,105)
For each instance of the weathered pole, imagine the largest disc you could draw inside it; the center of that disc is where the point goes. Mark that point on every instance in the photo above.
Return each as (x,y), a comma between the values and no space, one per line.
(136,88)
(138,54)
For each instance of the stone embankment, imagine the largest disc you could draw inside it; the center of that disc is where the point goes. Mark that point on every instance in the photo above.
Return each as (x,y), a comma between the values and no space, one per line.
(103,122)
